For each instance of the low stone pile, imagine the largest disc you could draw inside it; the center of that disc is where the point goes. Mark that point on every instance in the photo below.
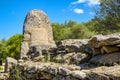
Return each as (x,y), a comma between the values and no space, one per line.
(72,45)
(4,76)
(105,44)
(106,49)
(100,50)
(53,71)
(70,51)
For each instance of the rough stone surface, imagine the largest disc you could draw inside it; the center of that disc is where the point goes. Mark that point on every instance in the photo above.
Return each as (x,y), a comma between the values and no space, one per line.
(106,59)
(24,49)
(4,76)
(79,74)
(105,43)
(103,40)
(37,32)
(104,73)
(109,49)
(72,45)
(9,63)
(64,71)
(37,29)
(68,63)
(45,71)
(78,58)
(70,58)
(53,71)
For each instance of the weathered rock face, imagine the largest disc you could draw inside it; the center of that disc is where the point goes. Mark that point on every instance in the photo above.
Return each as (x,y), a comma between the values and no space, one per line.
(104,73)
(105,43)
(37,29)
(106,59)
(53,71)
(37,32)
(70,51)
(72,45)
(9,63)
(72,60)
(24,49)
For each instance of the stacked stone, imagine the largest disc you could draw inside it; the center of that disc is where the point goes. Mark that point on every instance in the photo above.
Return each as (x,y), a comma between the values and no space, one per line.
(48,71)
(72,45)
(101,44)
(69,51)
(52,71)
(106,49)
(4,76)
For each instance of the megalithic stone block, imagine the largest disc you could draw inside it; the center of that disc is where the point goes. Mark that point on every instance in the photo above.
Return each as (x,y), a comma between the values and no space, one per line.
(37,31)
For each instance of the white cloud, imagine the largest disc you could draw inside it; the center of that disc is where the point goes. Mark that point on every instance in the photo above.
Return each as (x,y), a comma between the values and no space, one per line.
(91,13)
(79,1)
(93,2)
(88,2)
(78,11)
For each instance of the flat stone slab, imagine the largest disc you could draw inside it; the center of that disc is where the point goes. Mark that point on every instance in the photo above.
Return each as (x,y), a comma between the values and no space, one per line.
(106,59)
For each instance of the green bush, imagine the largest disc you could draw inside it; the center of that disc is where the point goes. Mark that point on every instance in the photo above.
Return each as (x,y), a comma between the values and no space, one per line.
(12,46)
(1,68)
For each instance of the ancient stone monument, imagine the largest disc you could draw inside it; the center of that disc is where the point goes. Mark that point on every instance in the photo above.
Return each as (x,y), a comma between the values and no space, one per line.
(97,58)
(37,32)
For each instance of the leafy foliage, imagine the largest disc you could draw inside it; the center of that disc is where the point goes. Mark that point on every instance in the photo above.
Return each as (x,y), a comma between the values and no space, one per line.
(80,31)
(1,68)
(108,16)
(11,47)
(2,47)
(71,30)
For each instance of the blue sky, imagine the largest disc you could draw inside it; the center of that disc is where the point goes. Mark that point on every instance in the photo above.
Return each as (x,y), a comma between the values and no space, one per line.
(13,12)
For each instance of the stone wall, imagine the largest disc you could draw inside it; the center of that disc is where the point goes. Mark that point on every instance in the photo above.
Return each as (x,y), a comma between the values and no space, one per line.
(72,59)
(53,71)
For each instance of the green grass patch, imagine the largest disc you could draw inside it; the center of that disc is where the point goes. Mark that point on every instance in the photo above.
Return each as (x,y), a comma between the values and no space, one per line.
(1,68)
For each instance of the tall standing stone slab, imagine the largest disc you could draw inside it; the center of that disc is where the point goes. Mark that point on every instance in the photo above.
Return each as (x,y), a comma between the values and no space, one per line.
(37,32)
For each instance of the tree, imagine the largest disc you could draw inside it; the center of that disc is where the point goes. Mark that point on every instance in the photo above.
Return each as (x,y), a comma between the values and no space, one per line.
(72,29)
(80,31)
(12,47)
(108,16)
(58,31)
(69,23)
(2,46)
